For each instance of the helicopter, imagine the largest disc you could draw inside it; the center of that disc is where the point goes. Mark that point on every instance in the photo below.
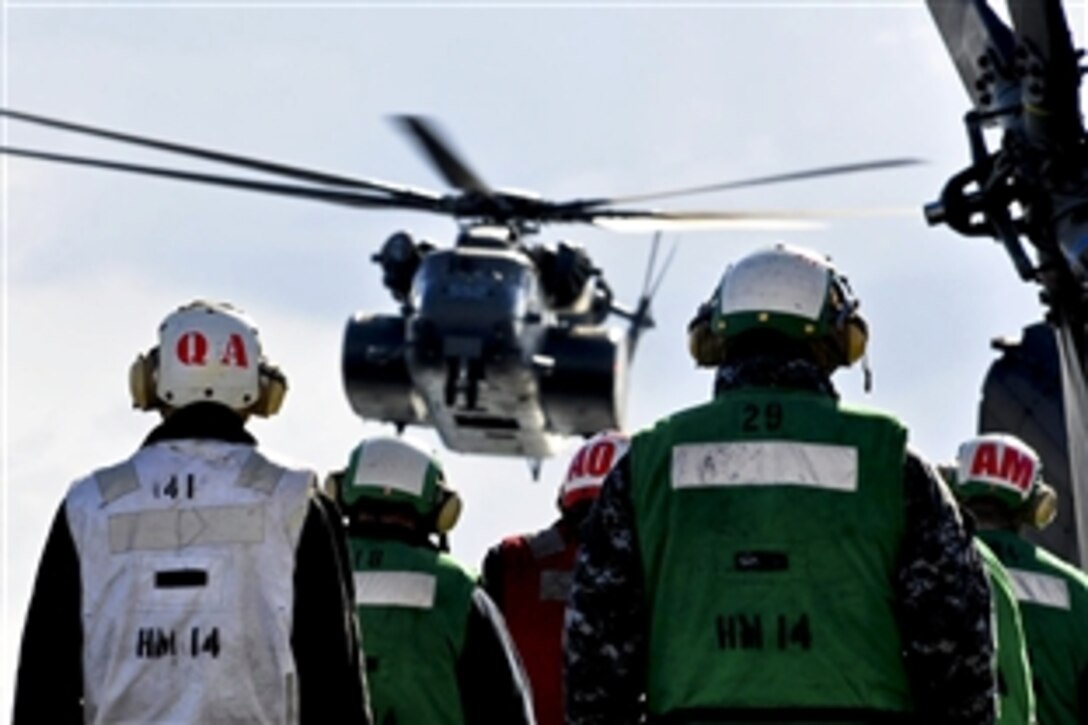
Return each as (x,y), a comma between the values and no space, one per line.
(1029,191)
(499,344)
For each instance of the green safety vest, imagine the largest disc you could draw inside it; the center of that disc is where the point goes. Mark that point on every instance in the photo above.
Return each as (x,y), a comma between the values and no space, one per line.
(1053,597)
(1016,698)
(769,524)
(412,604)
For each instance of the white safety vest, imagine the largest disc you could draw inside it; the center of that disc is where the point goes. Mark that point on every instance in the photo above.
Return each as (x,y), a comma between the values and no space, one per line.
(187,555)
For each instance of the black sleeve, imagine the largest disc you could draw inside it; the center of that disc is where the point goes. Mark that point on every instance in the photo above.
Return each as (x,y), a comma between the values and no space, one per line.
(1082,697)
(493,684)
(49,681)
(325,639)
(605,648)
(491,575)
(944,602)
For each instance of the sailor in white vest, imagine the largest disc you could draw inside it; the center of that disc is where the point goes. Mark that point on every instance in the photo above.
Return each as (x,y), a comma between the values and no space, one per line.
(199,581)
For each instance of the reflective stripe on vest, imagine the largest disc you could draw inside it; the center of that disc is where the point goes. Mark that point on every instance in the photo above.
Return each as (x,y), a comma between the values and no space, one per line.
(179,529)
(765,463)
(394,589)
(115,482)
(1042,589)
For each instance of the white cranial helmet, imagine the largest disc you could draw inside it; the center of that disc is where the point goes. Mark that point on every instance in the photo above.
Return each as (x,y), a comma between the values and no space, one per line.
(208,352)
(786,290)
(590,466)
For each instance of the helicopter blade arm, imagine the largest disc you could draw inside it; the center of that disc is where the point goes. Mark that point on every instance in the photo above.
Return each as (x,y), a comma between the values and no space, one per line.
(837,170)
(982,48)
(1052,115)
(342,197)
(440,152)
(269,167)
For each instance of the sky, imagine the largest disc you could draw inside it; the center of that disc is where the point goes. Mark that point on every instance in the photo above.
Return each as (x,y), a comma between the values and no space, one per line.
(566,100)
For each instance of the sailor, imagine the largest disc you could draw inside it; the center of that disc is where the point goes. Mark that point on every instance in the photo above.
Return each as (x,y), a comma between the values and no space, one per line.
(1016,696)
(999,480)
(200,580)
(437,649)
(775,554)
(528,575)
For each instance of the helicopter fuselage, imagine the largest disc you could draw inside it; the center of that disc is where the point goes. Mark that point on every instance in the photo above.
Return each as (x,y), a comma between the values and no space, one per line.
(479,354)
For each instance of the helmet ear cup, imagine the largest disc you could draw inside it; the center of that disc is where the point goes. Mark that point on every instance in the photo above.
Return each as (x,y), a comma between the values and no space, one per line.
(448,510)
(141,380)
(332,485)
(706,348)
(272,389)
(855,339)
(1042,507)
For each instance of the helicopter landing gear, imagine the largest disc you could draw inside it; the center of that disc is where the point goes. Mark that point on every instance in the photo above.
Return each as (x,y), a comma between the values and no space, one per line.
(463,376)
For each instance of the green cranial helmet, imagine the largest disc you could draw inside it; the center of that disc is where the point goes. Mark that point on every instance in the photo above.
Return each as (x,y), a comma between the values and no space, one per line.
(392,473)
(1002,468)
(789,291)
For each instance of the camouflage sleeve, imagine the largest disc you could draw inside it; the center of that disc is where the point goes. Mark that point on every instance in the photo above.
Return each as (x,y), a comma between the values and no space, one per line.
(604,668)
(944,606)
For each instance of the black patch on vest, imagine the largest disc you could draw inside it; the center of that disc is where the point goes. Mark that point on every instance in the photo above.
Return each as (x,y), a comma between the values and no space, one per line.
(181,579)
(371,664)
(761,561)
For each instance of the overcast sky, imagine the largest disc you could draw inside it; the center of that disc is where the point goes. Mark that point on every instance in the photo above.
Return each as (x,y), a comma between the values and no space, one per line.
(568,102)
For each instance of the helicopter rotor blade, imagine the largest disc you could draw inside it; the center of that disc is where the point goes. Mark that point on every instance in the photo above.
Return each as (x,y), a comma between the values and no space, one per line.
(440,152)
(1072,344)
(837,170)
(343,197)
(624,220)
(269,167)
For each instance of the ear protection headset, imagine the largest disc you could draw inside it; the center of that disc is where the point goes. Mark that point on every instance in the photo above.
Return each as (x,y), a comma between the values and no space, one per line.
(849,334)
(1041,507)
(447,509)
(143,377)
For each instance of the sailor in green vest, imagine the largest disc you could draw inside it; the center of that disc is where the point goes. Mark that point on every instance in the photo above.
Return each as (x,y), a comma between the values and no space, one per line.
(1016,696)
(998,479)
(775,554)
(437,649)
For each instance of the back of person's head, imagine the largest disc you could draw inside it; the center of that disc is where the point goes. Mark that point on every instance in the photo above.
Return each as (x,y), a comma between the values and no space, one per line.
(783,301)
(392,482)
(998,478)
(207,353)
(588,468)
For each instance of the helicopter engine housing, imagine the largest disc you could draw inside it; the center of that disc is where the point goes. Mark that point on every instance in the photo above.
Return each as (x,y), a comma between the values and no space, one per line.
(582,388)
(376,379)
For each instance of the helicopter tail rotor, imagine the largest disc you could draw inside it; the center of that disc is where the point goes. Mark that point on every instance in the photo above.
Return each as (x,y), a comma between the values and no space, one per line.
(641,317)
